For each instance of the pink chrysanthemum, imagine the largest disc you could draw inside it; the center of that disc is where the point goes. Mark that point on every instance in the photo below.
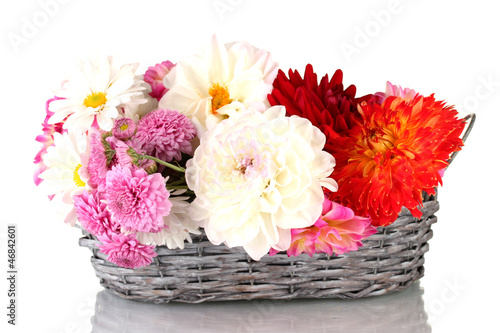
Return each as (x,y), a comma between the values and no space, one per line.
(337,231)
(154,77)
(46,139)
(124,128)
(165,134)
(124,155)
(137,201)
(126,251)
(101,157)
(93,214)
(97,166)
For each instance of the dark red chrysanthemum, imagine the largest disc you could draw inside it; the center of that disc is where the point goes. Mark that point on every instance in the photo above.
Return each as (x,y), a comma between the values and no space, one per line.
(327,105)
(394,152)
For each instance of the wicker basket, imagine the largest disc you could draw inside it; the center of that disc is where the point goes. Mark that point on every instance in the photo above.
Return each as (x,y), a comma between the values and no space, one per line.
(390,260)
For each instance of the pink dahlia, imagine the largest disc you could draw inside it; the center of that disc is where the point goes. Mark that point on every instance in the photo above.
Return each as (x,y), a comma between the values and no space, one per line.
(397,91)
(93,214)
(337,231)
(165,134)
(154,77)
(124,128)
(46,139)
(126,251)
(137,201)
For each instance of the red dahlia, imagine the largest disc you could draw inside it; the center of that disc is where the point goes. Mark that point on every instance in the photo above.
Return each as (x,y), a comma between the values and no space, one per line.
(393,153)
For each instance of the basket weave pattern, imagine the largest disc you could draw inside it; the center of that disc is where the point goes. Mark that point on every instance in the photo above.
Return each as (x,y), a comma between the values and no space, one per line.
(390,260)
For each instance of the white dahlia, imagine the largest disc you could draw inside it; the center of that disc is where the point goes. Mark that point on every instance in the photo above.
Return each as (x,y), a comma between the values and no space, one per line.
(98,92)
(219,82)
(66,174)
(178,226)
(258,175)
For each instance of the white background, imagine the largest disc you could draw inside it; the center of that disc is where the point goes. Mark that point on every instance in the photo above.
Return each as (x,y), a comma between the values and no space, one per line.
(450,48)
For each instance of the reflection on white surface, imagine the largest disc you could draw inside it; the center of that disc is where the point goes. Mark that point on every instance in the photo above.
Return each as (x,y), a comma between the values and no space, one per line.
(398,312)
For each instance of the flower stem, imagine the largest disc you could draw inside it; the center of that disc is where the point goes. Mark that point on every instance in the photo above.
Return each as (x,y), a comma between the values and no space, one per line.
(168,165)
(181,187)
(178,182)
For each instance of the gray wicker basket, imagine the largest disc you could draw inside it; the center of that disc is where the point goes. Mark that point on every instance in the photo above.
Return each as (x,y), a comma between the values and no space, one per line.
(390,260)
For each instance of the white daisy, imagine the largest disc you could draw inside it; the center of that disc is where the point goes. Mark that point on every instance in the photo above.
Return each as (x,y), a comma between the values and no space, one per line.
(220,81)
(66,174)
(137,111)
(96,93)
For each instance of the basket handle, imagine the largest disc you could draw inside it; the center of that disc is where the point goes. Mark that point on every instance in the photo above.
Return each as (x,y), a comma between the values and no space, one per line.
(470,119)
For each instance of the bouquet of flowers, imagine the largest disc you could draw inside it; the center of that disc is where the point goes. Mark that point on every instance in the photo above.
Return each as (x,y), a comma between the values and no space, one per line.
(227,143)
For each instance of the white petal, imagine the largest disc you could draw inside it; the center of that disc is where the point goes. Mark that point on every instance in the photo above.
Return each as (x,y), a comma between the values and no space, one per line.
(258,247)
(218,72)
(285,239)
(268,228)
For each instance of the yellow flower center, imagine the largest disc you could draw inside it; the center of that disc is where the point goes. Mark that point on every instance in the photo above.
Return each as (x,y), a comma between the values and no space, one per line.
(123,127)
(220,96)
(76,177)
(95,100)
(381,139)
